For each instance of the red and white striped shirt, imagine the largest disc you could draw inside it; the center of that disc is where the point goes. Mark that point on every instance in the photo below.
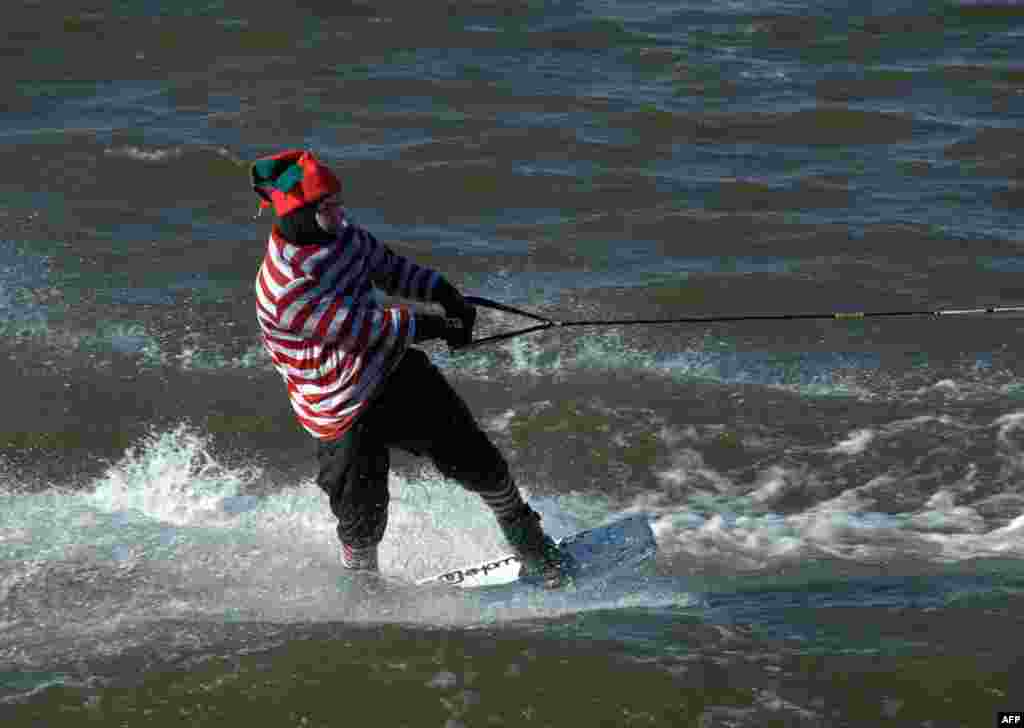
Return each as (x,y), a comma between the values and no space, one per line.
(333,344)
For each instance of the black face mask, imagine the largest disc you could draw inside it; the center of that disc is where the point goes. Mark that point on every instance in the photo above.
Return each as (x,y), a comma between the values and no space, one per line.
(300,227)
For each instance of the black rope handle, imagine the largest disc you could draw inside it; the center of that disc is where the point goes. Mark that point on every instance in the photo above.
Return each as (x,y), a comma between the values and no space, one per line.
(488,303)
(548,323)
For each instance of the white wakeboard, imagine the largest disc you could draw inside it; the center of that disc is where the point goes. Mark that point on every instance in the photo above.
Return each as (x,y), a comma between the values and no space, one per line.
(598,553)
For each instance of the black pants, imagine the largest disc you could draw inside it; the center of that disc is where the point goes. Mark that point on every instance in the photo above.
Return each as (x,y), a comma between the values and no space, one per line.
(419,412)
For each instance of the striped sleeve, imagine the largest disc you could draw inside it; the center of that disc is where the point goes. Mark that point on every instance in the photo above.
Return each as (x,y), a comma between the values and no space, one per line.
(335,307)
(330,340)
(365,325)
(397,275)
(354,324)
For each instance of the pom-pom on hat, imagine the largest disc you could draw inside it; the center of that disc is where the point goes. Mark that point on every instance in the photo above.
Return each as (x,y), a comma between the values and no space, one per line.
(292,179)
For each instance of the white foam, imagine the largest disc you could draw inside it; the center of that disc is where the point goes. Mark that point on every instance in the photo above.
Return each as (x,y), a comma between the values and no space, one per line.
(1011,440)
(942,514)
(146,155)
(734,526)
(775,483)
(500,423)
(1005,541)
(183,483)
(171,531)
(738,532)
(688,471)
(855,443)
(157,154)
(1007,424)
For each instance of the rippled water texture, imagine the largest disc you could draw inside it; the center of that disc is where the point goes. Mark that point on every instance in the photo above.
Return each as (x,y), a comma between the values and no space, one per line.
(837,503)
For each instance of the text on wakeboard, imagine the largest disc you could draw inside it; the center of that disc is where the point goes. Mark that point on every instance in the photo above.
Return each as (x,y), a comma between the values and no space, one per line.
(460,575)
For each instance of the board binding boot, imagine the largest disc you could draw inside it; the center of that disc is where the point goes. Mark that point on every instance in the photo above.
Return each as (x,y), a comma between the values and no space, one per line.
(361,560)
(542,560)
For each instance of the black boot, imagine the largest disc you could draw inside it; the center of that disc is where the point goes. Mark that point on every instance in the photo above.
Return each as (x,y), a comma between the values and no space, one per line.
(541,558)
(363,559)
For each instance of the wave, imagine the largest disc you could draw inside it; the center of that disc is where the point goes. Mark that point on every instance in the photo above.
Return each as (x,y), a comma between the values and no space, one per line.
(171,532)
(213,156)
(896,510)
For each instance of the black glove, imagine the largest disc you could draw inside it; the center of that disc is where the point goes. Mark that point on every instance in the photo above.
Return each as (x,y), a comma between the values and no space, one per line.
(431,326)
(455,306)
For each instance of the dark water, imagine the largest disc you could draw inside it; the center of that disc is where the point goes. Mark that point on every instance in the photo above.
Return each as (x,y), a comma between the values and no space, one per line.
(838,504)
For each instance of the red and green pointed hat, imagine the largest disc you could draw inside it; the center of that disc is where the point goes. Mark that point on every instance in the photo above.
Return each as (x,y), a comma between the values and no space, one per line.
(292,179)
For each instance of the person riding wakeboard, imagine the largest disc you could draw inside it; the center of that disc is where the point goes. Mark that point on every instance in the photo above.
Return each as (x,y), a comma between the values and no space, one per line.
(354,380)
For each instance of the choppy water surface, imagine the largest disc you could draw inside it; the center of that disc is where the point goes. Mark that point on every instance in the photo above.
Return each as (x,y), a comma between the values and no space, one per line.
(838,504)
